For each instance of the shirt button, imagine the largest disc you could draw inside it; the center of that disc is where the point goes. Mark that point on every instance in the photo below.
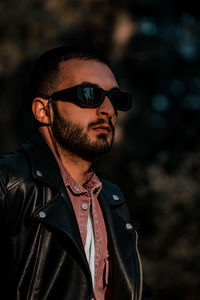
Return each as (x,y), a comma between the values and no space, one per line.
(115,197)
(84,206)
(129,226)
(76,187)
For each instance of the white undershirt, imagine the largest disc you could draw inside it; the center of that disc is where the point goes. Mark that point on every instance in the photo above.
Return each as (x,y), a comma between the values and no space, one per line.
(90,246)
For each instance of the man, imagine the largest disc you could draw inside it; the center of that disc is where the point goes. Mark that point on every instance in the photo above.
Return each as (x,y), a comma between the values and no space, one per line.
(66,234)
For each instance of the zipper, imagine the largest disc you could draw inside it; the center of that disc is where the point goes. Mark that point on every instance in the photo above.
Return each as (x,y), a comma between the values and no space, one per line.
(140,267)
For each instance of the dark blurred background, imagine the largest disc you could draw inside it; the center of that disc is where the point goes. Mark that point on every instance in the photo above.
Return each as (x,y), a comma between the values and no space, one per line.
(154,47)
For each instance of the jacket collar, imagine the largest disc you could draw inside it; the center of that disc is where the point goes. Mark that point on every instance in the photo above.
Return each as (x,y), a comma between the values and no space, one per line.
(43,163)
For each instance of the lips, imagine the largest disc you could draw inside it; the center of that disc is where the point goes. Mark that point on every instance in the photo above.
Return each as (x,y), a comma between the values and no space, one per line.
(102,129)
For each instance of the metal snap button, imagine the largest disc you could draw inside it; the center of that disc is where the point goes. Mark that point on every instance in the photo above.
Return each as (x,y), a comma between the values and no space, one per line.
(42,214)
(84,206)
(115,197)
(39,173)
(129,226)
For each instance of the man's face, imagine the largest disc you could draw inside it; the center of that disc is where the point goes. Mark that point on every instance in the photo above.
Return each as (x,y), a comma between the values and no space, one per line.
(85,132)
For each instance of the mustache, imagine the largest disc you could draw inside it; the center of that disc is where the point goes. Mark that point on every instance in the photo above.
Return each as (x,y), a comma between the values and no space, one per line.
(101,122)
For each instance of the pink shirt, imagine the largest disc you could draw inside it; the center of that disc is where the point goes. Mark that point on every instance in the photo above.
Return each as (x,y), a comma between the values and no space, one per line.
(82,197)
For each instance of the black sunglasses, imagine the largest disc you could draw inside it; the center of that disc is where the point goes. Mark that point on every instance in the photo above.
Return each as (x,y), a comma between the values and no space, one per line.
(92,96)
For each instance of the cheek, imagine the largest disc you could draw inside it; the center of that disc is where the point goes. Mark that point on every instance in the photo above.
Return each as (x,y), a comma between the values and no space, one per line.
(85,115)
(74,113)
(114,120)
(84,119)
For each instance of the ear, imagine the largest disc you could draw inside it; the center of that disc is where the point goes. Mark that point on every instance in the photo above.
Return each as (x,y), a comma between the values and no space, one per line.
(41,110)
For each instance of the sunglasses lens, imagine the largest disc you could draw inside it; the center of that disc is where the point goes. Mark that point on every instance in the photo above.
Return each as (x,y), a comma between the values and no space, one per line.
(91,96)
(121,100)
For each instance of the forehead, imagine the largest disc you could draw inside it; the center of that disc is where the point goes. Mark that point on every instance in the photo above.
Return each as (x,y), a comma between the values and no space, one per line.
(76,71)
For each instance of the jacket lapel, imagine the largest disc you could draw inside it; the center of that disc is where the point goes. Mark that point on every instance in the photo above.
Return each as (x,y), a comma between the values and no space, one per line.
(58,216)
(59,213)
(122,238)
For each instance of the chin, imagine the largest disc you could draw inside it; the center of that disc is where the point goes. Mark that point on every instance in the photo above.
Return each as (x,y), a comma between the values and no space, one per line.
(103,137)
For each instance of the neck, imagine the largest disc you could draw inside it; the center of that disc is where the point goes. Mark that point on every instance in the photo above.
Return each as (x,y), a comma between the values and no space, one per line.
(75,165)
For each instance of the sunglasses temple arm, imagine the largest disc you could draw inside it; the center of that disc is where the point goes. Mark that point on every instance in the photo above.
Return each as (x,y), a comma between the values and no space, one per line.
(64,94)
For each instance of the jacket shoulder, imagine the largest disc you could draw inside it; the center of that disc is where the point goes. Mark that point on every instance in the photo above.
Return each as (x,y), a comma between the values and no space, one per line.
(14,167)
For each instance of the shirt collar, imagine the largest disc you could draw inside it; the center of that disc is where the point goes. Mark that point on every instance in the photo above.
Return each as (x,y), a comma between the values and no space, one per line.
(92,185)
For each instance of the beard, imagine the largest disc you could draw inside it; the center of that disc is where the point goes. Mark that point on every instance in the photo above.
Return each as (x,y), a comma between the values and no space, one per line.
(71,137)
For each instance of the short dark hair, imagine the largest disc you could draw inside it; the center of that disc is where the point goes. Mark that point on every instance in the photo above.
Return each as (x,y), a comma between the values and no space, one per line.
(43,75)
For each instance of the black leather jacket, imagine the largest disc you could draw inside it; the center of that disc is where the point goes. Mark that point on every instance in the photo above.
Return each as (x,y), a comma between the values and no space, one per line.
(42,256)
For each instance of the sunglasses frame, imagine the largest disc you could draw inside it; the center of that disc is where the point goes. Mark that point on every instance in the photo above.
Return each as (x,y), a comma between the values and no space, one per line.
(75,95)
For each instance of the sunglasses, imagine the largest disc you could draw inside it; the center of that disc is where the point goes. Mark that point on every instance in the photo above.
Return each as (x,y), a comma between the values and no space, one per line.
(92,96)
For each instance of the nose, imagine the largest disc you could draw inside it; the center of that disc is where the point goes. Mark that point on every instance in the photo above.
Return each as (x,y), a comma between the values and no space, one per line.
(106,109)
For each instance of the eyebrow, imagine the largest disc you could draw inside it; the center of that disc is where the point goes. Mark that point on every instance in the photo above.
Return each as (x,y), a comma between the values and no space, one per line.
(96,85)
